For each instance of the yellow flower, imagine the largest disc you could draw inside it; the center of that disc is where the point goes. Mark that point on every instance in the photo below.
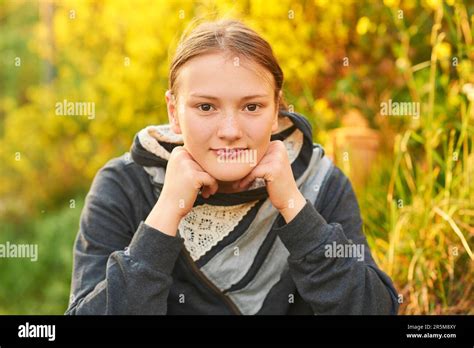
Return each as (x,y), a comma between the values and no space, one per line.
(443,50)
(391,3)
(433,4)
(363,25)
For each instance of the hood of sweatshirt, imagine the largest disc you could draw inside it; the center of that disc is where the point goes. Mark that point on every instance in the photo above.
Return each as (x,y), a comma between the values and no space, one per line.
(153,144)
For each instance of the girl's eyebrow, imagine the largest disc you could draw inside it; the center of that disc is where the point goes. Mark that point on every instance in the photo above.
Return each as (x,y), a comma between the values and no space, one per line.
(243,98)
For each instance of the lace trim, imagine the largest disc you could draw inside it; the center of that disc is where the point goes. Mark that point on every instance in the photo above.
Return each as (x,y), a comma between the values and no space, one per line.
(205,226)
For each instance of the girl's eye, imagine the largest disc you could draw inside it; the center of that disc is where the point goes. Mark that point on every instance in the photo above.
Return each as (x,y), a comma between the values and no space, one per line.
(205,107)
(252,107)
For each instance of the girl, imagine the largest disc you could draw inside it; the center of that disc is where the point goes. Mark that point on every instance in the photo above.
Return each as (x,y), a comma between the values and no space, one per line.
(228,209)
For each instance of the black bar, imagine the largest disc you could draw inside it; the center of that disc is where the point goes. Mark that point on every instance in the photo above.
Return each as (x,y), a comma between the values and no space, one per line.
(261,330)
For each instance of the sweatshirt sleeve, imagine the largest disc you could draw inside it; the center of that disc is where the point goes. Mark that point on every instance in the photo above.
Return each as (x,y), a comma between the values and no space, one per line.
(330,260)
(118,270)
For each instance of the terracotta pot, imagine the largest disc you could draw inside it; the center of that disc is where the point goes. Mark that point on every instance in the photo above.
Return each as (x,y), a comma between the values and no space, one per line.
(354,147)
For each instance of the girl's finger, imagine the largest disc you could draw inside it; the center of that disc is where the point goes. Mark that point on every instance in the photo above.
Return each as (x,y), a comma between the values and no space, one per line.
(208,184)
(257,172)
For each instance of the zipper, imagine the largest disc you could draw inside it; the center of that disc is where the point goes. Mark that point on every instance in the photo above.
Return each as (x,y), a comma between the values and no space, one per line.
(231,305)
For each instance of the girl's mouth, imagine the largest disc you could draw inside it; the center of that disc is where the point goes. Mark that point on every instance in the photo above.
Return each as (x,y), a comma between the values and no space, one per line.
(229,152)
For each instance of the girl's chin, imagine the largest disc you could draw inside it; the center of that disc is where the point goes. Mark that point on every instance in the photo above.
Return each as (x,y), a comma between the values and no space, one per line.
(230,172)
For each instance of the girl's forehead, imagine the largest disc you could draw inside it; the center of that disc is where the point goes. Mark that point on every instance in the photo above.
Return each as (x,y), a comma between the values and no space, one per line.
(221,57)
(222,71)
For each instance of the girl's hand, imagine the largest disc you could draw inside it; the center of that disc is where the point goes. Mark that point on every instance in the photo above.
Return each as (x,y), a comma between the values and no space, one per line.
(275,169)
(184,179)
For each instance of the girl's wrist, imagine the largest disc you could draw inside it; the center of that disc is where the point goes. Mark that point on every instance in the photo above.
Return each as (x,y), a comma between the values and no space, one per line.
(164,217)
(295,205)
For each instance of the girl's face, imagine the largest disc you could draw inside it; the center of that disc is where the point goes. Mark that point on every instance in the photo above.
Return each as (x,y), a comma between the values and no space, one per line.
(224,103)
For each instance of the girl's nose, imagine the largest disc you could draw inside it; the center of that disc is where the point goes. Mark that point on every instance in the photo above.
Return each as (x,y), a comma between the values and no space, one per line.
(229,128)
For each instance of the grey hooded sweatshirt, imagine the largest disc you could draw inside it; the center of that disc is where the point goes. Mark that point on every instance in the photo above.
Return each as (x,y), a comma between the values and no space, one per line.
(233,253)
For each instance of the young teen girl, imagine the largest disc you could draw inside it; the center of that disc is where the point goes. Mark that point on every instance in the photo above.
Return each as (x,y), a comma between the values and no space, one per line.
(228,209)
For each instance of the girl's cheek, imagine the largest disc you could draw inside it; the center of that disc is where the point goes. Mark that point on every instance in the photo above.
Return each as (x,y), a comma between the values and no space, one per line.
(198,140)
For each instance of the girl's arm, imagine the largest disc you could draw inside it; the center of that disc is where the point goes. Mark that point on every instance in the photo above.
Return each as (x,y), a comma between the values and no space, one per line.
(330,260)
(115,270)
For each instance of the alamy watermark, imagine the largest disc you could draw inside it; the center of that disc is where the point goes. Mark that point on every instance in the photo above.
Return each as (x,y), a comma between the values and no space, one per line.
(394,108)
(68,108)
(347,250)
(229,155)
(37,331)
(11,250)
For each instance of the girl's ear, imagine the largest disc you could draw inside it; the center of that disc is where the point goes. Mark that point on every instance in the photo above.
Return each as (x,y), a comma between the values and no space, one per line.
(172,108)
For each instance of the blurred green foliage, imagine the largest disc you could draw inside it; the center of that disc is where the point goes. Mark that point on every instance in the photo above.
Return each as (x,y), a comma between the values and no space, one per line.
(42,286)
